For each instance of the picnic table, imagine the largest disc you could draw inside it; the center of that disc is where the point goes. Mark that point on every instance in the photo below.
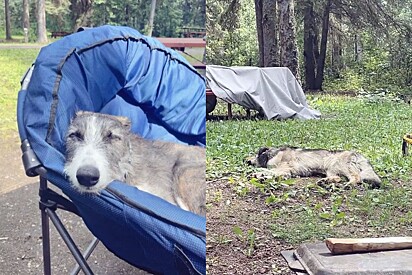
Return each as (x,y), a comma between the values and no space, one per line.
(56,34)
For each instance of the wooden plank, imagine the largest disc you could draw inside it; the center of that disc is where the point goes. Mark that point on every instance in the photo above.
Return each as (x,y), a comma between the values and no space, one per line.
(343,246)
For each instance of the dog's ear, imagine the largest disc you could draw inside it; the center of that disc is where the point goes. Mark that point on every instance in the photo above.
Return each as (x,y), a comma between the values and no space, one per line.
(125,121)
(262,150)
(263,159)
(82,113)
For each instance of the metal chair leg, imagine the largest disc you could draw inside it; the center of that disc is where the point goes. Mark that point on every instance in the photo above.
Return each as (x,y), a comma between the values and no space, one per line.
(48,210)
(86,255)
(69,242)
(45,228)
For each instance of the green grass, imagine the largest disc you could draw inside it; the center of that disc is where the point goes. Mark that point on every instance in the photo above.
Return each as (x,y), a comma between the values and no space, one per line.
(194,55)
(13,64)
(302,210)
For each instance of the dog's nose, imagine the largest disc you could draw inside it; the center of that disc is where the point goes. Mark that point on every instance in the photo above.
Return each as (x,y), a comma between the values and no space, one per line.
(248,161)
(88,175)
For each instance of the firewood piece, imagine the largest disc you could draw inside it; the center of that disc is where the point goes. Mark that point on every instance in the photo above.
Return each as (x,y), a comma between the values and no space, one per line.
(343,246)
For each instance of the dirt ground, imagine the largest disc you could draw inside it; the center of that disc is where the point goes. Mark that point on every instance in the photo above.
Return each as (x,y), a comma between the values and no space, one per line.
(20,229)
(231,253)
(12,174)
(240,227)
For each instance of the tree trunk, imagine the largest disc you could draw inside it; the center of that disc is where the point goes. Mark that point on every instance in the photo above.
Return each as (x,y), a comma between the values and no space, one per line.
(259,29)
(59,23)
(7,17)
(81,13)
(310,52)
(323,46)
(287,37)
(84,19)
(151,18)
(337,63)
(26,20)
(358,48)
(269,31)
(127,14)
(41,22)
(266,30)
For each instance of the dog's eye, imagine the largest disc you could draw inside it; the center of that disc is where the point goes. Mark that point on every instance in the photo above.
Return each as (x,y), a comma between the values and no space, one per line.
(111,136)
(76,135)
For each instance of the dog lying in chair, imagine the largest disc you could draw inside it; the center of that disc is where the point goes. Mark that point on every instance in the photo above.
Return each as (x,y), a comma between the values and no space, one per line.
(288,162)
(101,148)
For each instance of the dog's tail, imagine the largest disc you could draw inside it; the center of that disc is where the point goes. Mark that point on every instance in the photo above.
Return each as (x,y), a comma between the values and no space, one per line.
(367,173)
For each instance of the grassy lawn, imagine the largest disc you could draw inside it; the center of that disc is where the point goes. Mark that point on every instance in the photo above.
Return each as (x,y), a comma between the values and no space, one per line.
(298,210)
(13,64)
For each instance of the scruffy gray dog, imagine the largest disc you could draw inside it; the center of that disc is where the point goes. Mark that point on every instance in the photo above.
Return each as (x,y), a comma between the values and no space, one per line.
(287,162)
(101,148)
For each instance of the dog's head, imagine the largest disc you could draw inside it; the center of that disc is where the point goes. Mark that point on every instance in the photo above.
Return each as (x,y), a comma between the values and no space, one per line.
(95,145)
(261,159)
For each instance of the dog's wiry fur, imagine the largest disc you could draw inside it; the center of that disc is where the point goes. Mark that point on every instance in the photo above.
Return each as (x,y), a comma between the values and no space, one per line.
(290,162)
(101,148)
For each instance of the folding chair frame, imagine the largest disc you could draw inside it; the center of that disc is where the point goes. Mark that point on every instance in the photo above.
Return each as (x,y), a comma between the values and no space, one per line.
(49,203)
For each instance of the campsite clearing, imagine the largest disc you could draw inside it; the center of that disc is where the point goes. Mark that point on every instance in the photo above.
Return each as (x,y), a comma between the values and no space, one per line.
(249,221)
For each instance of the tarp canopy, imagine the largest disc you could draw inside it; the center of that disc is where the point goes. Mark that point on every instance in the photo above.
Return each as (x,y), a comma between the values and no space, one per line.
(273,91)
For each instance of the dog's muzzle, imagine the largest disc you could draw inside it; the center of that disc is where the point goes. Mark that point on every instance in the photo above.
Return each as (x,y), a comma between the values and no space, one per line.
(88,175)
(250,161)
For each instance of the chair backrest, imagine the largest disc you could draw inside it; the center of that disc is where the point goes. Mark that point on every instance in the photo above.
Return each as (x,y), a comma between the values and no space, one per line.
(113,70)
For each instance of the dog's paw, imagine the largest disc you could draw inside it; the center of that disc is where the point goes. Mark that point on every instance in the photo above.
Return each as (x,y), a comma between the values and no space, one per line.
(327,184)
(329,180)
(282,176)
(323,183)
(348,186)
(260,176)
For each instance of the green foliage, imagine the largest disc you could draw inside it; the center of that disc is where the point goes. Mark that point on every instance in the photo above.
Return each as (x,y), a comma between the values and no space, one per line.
(248,238)
(334,215)
(234,43)
(349,80)
(58,14)
(130,13)
(306,226)
(170,16)
(385,64)
(194,13)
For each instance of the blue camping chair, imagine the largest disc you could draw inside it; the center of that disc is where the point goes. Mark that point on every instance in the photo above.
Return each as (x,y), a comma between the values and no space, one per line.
(118,71)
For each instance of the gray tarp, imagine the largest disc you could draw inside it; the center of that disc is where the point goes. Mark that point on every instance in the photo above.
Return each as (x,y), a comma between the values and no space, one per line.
(273,91)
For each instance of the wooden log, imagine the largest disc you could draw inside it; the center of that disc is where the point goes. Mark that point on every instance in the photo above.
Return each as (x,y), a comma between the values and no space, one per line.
(343,246)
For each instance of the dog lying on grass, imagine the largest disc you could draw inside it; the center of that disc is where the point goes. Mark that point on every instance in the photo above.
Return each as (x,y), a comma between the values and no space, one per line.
(101,148)
(288,162)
